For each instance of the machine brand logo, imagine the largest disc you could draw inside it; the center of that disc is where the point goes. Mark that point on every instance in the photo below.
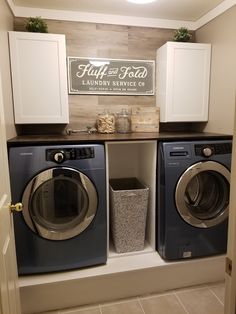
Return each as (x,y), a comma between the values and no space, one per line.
(26,154)
(178,147)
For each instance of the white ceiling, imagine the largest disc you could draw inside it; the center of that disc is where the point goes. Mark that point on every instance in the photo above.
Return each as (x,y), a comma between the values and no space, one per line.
(185,10)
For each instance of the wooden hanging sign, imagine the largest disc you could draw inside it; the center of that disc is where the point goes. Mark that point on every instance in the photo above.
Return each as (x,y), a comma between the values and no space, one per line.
(110,76)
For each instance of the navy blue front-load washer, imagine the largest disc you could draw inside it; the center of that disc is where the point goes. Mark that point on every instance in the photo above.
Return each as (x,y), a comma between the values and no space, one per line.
(193,183)
(63,224)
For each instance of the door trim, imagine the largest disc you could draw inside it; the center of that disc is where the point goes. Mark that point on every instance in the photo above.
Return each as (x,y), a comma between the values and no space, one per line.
(73,230)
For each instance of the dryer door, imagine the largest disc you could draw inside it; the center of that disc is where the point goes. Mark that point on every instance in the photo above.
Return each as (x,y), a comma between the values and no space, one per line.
(202,194)
(59,203)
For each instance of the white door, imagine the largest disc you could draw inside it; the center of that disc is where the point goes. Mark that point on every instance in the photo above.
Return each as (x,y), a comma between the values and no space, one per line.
(230,295)
(9,291)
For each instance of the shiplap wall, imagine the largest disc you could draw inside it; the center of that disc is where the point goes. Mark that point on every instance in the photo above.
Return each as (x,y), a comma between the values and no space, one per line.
(105,41)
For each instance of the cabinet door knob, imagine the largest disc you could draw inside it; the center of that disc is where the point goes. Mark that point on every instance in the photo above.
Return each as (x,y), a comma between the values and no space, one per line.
(18,207)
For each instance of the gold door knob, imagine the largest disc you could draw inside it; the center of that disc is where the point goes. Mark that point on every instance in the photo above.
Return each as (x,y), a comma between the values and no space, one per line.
(18,207)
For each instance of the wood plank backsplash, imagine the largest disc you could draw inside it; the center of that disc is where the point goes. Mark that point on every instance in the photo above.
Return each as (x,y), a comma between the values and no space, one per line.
(104,41)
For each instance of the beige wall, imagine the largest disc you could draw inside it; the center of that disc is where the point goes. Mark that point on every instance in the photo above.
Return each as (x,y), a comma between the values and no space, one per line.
(6,24)
(221,34)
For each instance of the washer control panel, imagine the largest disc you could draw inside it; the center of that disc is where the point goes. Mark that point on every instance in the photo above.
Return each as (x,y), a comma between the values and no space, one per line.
(61,155)
(213,149)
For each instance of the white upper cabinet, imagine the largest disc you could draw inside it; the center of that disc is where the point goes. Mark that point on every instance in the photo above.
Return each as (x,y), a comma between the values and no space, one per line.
(182,81)
(39,77)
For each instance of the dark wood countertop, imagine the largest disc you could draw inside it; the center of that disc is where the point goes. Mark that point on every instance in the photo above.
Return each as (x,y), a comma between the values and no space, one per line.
(78,138)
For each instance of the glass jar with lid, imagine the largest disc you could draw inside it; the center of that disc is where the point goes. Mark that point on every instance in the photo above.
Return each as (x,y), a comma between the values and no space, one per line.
(123,121)
(106,122)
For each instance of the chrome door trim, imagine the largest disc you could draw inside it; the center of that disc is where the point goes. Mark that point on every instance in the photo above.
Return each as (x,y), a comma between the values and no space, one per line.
(73,231)
(181,188)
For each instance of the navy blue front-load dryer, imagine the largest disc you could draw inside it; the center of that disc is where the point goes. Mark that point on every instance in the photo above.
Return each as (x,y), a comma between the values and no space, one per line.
(193,183)
(63,224)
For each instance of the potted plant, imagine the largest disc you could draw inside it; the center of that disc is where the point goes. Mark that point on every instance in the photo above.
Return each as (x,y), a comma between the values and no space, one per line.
(36,25)
(182,34)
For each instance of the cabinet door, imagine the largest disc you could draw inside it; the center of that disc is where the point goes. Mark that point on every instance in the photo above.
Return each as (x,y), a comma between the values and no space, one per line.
(185,90)
(39,78)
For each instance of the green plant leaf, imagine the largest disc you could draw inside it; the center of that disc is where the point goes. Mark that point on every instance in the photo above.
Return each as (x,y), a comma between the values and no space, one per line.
(182,34)
(36,25)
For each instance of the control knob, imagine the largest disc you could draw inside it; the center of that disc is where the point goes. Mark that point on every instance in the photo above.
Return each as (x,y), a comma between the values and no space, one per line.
(207,152)
(59,157)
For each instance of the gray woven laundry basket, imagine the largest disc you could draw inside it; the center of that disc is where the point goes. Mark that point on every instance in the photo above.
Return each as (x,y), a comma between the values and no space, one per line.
(128,203)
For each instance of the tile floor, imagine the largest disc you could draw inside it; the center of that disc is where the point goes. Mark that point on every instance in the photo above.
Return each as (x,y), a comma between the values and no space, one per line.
(206,299)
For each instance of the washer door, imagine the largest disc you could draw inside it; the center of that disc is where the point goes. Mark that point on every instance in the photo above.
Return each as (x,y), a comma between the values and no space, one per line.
(59,203)
(202,194)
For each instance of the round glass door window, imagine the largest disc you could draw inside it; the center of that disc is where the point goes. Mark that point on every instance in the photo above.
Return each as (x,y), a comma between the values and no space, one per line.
(59,203)
(202,194)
